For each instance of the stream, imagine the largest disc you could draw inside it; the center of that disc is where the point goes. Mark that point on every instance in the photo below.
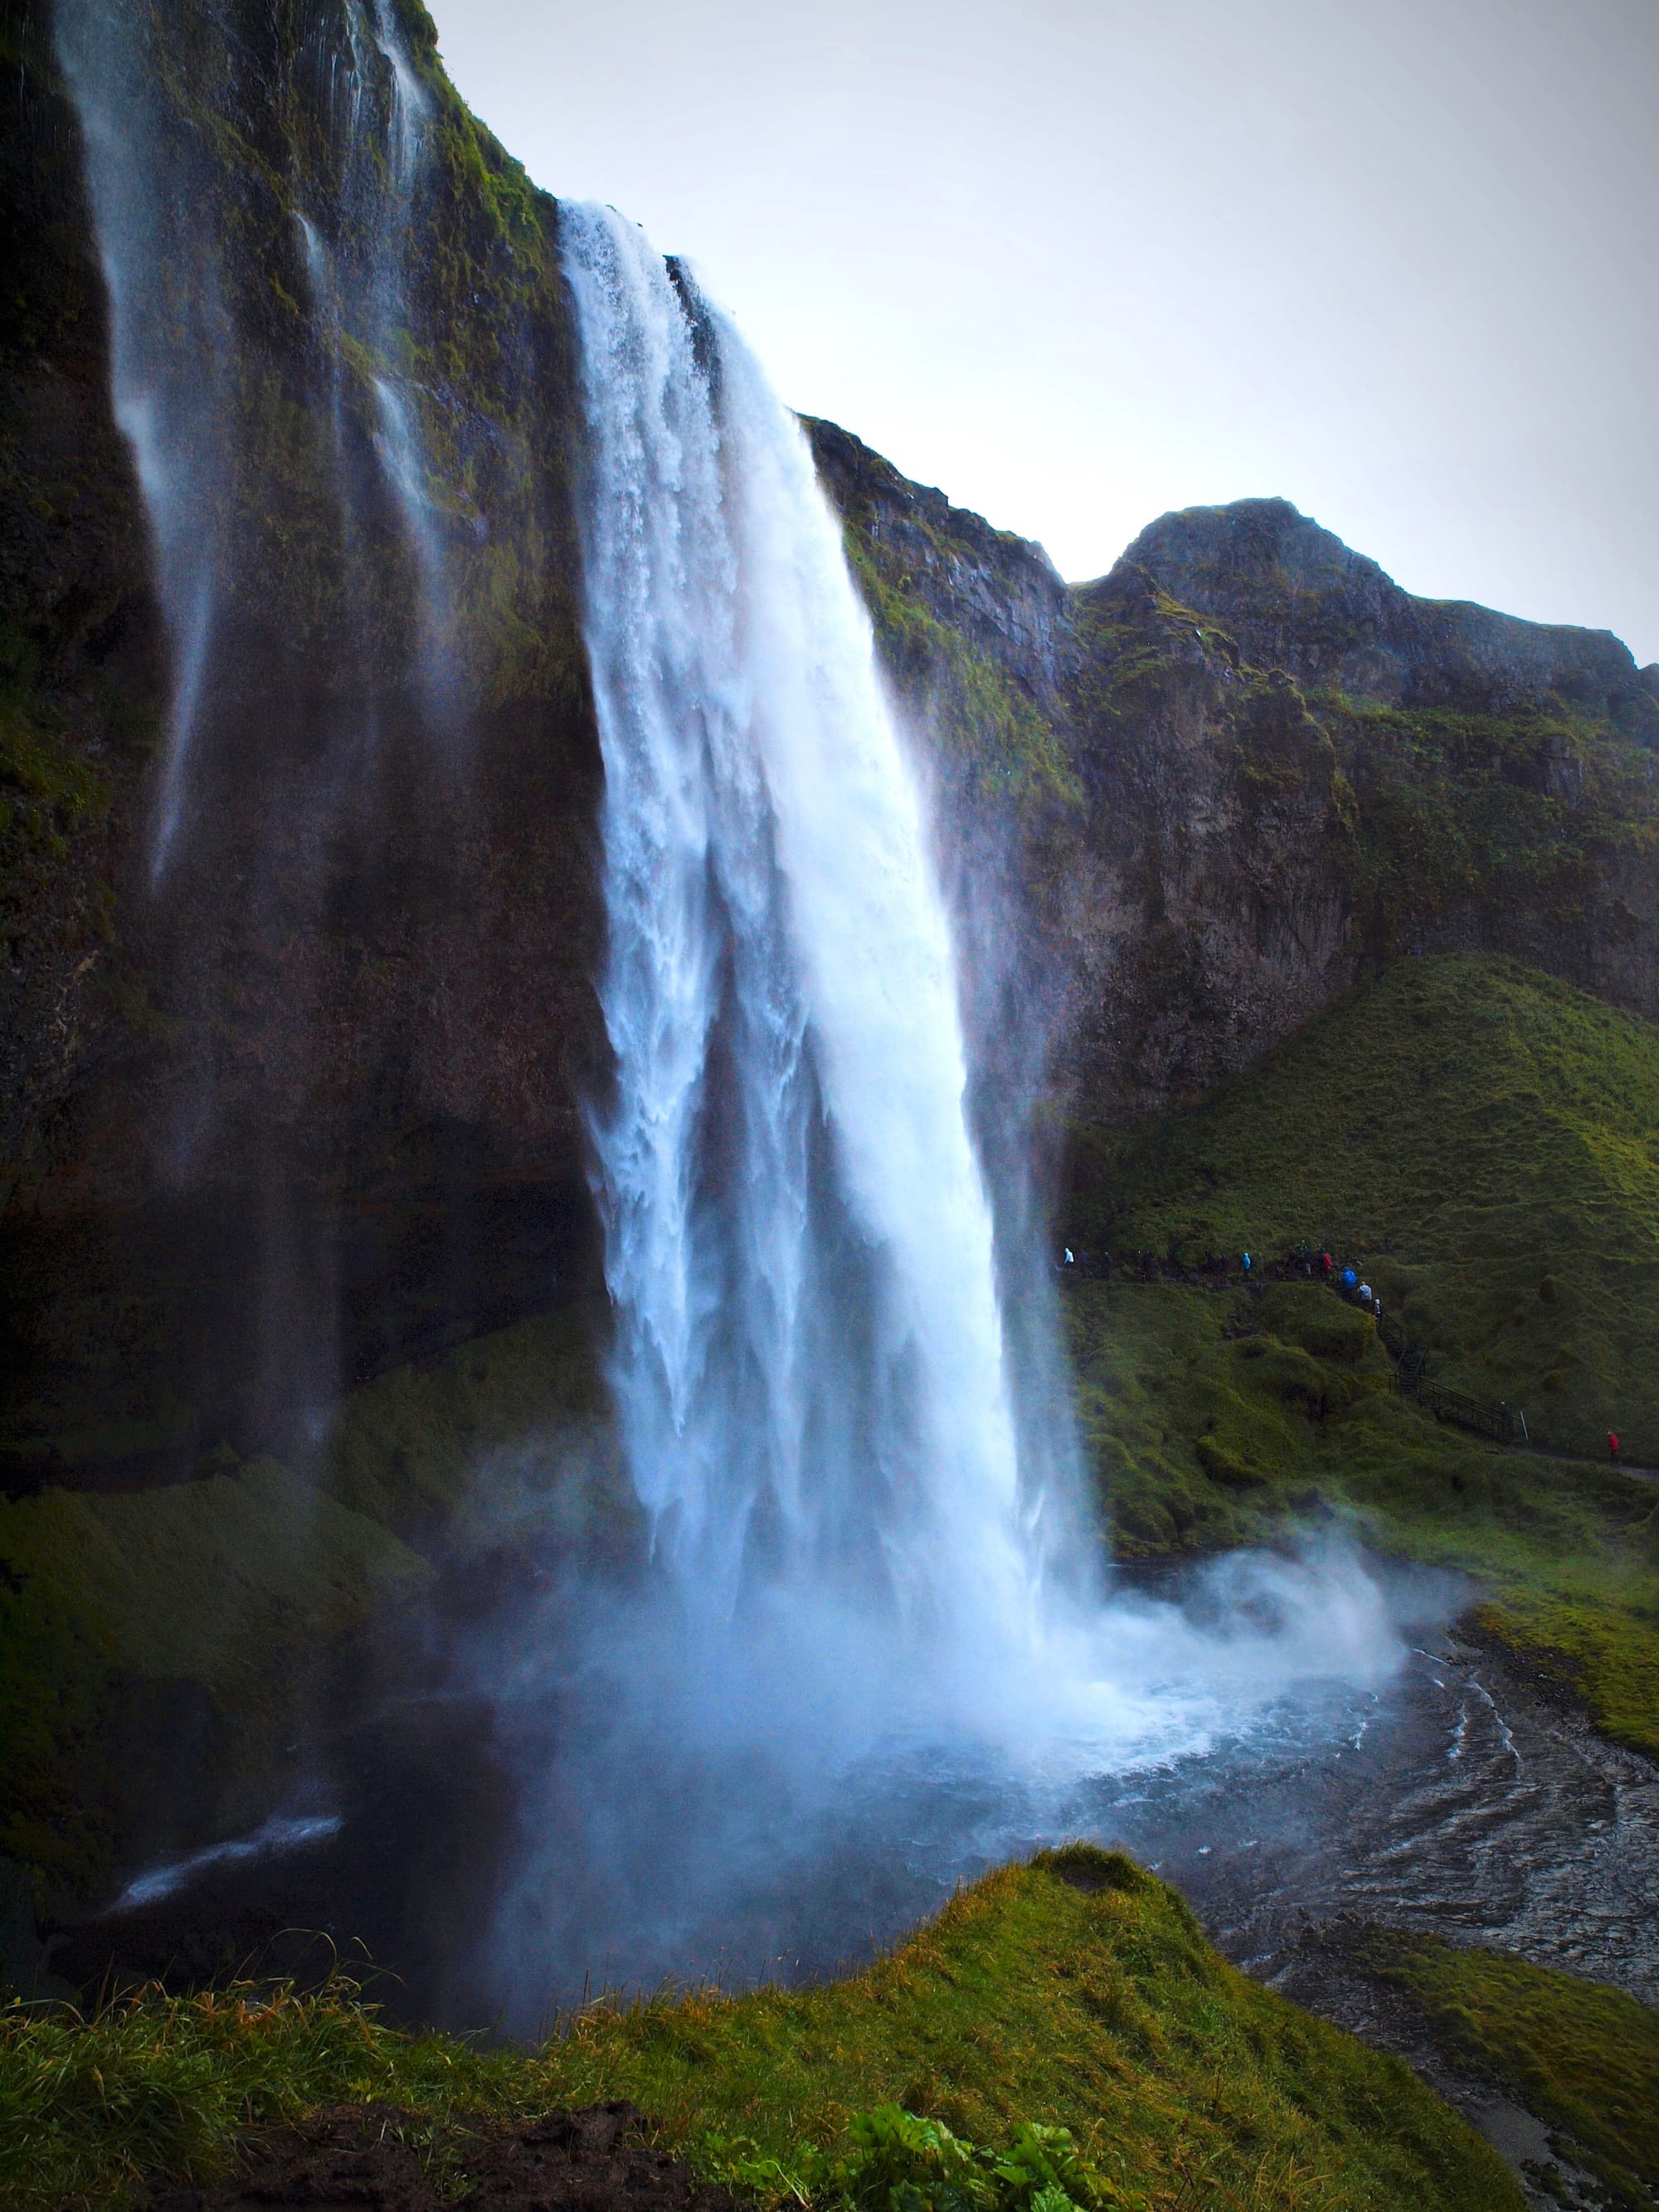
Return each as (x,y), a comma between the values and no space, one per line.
(1454,1800)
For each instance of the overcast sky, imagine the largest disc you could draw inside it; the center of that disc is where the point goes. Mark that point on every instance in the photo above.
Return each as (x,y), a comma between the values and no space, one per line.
(1080,263)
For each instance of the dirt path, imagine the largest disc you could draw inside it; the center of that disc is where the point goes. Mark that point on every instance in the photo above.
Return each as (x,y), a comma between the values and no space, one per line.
(1589,1459)
(365,2157)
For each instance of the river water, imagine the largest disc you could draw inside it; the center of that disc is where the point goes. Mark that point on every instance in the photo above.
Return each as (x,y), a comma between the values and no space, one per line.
(1450,1800)
(1458,1806)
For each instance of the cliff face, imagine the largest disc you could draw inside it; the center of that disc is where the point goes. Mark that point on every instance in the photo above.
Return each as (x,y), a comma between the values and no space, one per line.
(300,885)
(298,862)
(1263,765)
(1296,598)
(302,909)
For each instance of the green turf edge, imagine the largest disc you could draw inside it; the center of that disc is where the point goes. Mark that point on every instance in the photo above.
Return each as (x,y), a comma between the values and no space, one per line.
(1583,2058)
(1098,2006)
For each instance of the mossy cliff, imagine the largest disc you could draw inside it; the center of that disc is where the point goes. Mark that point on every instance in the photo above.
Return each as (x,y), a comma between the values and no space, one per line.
(337,1013)
(1483,1142)
(82,674)
(1218,784)
(291,1094)
(323,1085)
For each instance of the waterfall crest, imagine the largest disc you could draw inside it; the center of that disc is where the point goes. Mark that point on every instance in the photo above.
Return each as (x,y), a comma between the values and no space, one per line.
(810,1366)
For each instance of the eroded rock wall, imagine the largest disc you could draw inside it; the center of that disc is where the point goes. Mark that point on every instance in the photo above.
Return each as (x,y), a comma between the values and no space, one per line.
(1210,786)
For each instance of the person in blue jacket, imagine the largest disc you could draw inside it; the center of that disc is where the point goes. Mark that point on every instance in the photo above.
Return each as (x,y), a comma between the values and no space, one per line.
(1349,1278)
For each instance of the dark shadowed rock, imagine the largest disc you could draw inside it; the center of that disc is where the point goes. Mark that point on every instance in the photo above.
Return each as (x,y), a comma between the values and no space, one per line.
(1295,597)
(596,2159)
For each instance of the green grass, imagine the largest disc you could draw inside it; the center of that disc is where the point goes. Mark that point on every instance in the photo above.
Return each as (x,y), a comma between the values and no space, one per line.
(528,1402)
(1203,1439)
(1458,813)
(1583,2058)
(215,1604)
(1099,2008)
(1484,1138)
(1485,1142)
(1010,747)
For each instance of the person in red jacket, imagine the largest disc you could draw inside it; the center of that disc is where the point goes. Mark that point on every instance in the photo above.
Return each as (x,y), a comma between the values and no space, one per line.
(1612,1445)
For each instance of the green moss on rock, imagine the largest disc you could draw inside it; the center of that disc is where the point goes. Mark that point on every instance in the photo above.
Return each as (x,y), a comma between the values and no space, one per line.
(232,1587)
(1583,2057)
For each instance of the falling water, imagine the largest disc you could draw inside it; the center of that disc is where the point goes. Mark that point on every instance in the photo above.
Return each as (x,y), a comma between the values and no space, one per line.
(382,323)
(850,1603)
(810,1370)
(849,1640)
(171,351)
(186,355)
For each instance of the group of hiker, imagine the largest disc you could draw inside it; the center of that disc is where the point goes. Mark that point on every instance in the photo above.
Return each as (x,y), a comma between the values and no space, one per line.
(1218,1266)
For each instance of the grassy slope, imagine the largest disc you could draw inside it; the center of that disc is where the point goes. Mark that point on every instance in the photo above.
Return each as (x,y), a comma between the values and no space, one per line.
(1584,2058)
(112,1607)
(1486,1138)
(1029,1998)
(1486,1141)
(405,1448)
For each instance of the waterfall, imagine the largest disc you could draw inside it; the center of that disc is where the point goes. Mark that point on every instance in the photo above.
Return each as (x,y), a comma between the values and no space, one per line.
(171,351)
(809,1365)
(846,1604)
(847,1677)
(189,297)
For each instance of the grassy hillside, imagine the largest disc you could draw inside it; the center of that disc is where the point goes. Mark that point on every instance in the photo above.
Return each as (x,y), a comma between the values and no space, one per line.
(1218,1420)
(1484,1138)
(1485,1142)
(1583,2057)
(125,1622)
(1075,1991)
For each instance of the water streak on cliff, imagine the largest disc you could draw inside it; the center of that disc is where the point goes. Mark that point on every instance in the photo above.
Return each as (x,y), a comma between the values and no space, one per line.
(189,355)
(170,344)
(392,155)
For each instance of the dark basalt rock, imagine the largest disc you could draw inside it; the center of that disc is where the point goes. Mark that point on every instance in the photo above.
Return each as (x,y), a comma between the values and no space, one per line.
(1266,766)
(336,1055)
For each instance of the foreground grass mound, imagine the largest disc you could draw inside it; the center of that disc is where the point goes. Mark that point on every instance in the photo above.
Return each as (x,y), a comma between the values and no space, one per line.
(1075,1992)
(1484,1138)
(1583,2057)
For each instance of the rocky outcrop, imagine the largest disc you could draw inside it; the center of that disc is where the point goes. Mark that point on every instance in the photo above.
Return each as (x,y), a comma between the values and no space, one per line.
(1295,597)
(1263,765)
